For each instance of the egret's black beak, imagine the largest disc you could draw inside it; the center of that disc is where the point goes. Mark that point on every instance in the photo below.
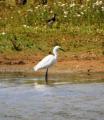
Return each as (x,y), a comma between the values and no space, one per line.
(62,49)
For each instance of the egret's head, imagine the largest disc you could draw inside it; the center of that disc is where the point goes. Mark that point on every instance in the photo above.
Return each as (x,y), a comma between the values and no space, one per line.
(56,48)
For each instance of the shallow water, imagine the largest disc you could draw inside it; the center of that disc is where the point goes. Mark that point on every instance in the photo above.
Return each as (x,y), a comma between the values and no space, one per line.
(25,97)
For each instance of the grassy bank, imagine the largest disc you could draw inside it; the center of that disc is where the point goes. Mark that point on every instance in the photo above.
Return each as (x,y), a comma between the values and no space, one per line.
(78,28)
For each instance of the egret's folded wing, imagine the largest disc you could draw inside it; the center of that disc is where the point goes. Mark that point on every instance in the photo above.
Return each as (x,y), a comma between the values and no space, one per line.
(45,62)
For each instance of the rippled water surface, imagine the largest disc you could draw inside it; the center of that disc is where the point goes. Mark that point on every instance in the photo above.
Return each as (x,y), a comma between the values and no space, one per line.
(26,97)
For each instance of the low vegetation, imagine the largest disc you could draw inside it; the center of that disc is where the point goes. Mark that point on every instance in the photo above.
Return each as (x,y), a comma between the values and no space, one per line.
(77,28)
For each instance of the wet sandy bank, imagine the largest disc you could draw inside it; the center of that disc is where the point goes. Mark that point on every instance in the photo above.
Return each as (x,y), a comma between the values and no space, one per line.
(62,66)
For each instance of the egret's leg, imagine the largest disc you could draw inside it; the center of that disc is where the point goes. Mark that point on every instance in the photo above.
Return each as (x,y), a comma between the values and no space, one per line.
(46,76)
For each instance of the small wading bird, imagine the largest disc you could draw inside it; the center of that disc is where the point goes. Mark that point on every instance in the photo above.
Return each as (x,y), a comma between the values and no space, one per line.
(47,62)
(21,2)
(51,20)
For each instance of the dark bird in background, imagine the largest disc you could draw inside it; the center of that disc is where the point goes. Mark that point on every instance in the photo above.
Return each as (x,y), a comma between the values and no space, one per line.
(21,2)
(16,46)
(51,20)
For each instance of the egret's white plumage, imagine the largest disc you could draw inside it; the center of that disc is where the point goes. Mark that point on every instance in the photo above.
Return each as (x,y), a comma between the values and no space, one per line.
(48,61)
(45,62)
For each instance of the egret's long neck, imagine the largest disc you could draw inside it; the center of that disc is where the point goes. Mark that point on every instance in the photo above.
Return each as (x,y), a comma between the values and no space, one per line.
(55,53)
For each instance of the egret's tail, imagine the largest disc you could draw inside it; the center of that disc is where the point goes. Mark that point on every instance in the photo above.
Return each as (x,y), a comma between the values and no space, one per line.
(35,68)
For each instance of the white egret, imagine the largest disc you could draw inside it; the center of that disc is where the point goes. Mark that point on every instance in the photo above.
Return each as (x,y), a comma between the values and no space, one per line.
(47,62)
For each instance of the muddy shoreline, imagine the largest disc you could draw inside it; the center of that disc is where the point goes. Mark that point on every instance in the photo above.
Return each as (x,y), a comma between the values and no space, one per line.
(67,65)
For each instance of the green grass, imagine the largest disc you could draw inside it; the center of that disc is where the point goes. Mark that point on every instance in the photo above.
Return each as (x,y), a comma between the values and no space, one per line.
(78,28)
